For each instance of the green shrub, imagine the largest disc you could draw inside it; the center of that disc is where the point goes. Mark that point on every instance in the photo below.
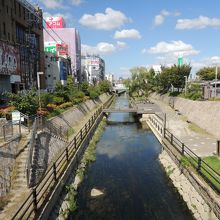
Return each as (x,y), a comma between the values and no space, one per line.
(66,105)
(58,100)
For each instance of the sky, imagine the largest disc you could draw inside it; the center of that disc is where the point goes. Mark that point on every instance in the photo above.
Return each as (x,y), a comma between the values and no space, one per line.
(128,34)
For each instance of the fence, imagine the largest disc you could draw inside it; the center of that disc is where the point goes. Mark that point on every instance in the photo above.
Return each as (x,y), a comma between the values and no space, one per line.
(10,130)
(207,172)
(40,194)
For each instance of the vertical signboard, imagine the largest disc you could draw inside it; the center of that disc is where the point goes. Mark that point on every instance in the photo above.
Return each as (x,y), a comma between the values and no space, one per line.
(180,61)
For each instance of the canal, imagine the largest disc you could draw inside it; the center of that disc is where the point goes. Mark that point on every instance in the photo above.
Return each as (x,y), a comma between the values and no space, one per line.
(129,174)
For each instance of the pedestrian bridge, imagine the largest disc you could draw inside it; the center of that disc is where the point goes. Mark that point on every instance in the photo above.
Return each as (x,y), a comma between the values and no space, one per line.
(129,110)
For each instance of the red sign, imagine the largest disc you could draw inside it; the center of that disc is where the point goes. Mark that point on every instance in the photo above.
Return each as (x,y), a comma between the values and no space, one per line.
(62,49)
(55,22)
(9,60)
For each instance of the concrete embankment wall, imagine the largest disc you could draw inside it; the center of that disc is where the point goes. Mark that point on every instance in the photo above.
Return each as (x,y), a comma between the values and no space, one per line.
(206,114)
(73,115)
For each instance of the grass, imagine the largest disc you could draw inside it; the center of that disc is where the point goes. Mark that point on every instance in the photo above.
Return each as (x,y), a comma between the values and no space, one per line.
(197,129)
(70,132)
(208,174)
(214,162)
(56,112)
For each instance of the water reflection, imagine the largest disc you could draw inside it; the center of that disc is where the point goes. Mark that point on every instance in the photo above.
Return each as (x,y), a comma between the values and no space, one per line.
(129,173)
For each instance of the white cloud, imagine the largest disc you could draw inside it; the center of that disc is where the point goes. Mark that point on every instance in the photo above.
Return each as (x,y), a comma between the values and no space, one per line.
(77,2)
(174,48)
(109,20)
(100,48)
(197,23)
(159,19)
(121,44)
(127,33)
(53,3)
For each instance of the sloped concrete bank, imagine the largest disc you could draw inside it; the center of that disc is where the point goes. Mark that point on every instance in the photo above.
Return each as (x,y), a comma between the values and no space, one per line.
(206,114)
(193,199)
(75,114)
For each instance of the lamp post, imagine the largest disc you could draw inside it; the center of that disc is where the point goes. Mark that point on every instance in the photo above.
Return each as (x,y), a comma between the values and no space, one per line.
(216,74)
(38,86)
(185,84)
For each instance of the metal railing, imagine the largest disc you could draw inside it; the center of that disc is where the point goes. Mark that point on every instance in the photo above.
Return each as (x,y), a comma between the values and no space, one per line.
(40,194)
(10,130)
(206,171)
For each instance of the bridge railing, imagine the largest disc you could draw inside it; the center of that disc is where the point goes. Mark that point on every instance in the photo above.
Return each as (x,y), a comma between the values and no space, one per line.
(40,194)
(189,158)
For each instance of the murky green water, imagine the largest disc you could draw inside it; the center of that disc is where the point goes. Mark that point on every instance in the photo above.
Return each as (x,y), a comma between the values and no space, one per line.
(127,170)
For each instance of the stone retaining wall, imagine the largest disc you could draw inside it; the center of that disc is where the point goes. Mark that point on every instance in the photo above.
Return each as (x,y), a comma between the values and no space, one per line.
(206,114)
(194,201)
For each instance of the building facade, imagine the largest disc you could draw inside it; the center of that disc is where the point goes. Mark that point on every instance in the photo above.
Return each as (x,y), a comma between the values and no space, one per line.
(56,70)
(21,45)
(70,37)
(110,78)
(93,69)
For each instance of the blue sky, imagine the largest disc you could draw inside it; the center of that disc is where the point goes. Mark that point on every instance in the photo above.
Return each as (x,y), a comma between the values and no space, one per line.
(130,33)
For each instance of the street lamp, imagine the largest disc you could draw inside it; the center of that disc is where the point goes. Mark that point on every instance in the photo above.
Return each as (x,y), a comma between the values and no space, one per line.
(38,86)
(216,73)
(185,84)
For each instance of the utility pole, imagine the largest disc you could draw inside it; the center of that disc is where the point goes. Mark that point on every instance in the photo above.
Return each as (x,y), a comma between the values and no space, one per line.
(216,78)
(185,84)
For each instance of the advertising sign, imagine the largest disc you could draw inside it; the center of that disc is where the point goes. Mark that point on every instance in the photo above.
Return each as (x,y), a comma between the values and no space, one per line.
(50,47)
(62,50)
(9,60)
(55,22)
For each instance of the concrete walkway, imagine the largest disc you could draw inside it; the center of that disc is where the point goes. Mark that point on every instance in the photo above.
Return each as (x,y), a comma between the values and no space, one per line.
(200,142)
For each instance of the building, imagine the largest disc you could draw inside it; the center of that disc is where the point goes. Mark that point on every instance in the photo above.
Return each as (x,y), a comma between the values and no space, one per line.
(210,89)
(110,78)
(70,37)
(93,69)
(21,45)
(56,70)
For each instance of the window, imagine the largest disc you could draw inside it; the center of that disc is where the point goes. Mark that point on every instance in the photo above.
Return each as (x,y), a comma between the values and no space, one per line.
(24,11)
(4,29)
(8,36)
(19,9)
(15,6)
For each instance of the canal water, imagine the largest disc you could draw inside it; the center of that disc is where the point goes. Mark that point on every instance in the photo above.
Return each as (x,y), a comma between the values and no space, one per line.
(127,170)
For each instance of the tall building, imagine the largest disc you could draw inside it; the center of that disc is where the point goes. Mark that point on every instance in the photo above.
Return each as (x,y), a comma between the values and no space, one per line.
(56,70)
(93,68)
(110,78)
(21,45)
(70,37)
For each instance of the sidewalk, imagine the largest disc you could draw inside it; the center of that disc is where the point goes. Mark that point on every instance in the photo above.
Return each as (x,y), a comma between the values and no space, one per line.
(200,142)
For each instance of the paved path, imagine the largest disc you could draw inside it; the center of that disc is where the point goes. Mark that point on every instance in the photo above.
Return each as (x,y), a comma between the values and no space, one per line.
(203,144)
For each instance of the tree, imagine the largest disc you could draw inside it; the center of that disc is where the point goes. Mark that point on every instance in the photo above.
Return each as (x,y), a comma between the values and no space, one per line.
(85,87)
(104,86)
(207,73)
(27,103)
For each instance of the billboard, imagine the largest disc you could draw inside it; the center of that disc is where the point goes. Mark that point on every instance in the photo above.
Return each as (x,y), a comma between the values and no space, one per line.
(55,22)
(9,60)
(62,50)
(50,47)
